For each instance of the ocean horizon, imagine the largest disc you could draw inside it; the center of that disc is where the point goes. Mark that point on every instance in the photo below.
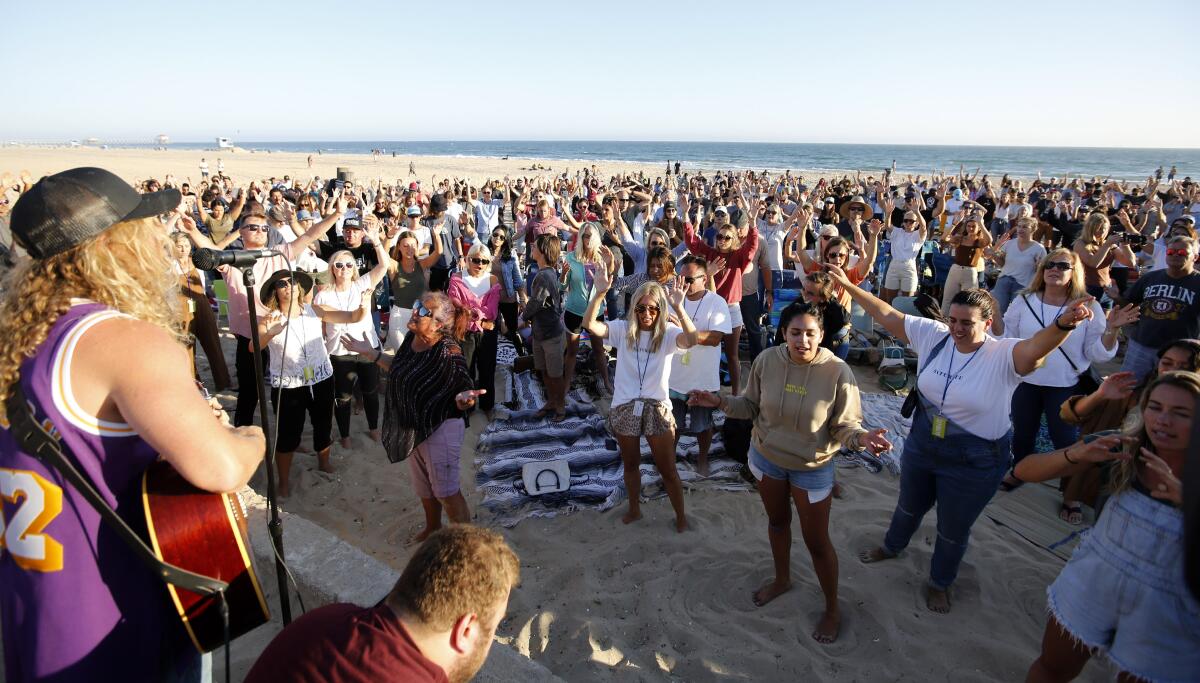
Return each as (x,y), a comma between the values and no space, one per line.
(1117,162)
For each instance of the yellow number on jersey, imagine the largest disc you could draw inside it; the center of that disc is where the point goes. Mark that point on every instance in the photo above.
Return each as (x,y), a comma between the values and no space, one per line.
(37,502)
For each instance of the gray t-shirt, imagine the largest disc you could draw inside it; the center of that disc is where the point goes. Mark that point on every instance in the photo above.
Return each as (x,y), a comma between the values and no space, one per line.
(544,310)
(450,237)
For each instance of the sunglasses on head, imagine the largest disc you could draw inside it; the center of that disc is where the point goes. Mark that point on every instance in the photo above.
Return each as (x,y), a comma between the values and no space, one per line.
(421,311)
(641,309)
(1177,252)
(1058,265)
(343,265)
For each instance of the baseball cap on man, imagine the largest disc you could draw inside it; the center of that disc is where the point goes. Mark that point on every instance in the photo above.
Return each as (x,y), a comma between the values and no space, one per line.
(64,210)
(413,210)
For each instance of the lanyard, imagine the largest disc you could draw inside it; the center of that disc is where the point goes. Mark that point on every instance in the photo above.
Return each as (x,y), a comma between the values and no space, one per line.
(637,355)
(950,372)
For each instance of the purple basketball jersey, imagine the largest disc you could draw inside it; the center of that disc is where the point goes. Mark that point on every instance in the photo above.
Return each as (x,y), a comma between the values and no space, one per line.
(76,603)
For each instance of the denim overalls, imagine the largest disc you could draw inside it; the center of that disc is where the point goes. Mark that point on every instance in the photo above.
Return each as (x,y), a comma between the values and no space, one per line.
(960,472)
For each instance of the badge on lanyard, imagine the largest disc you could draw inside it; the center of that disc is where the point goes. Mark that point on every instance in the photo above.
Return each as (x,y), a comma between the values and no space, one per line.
(687,358)
(939,426)
(191,306)
(637,408)
(309,374)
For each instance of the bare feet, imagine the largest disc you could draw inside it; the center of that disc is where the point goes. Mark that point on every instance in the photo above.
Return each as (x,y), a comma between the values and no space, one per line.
(631,516)
(828,627)
(345,442)
(419,538)
(323,463)
(681,524)
(838,492)
(284,490)
(874,555)
(374,434)
(702,465)
(770,591)
(937,600)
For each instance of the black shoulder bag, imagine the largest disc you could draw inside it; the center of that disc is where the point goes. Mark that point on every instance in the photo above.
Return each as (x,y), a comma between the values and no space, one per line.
(910,401)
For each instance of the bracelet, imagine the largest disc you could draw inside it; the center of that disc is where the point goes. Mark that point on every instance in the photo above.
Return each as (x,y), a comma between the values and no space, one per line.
(378,355)
(1068,457)
(1064,328)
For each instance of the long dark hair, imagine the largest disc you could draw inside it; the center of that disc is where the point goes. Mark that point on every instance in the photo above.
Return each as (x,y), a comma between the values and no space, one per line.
(505,251)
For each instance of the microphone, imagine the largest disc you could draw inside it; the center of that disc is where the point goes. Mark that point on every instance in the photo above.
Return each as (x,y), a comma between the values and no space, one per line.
(208,259)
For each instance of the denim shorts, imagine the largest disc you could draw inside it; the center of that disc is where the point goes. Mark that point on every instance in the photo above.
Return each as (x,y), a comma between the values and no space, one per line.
(1123,592)
(817,482)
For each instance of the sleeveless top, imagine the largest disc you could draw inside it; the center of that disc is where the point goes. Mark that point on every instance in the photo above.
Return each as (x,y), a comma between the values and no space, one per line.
(1099,276)
(305,361)
(407,287)
(75,602)
(967,256)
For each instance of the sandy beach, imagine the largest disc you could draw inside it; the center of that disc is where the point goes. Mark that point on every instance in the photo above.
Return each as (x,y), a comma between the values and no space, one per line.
(243,166)
(603,601)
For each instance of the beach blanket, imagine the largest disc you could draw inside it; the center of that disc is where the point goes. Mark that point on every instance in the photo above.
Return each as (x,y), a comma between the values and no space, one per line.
(516,437)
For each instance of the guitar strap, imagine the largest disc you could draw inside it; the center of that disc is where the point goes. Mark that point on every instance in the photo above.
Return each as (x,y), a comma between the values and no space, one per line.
(38,442)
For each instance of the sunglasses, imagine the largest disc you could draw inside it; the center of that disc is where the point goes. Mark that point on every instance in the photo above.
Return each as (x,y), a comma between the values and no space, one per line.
(421,311)
(480,261)
(1058,265)
(1177,252)
(856,210)
(255,227)
(652,310)
(724,238)
(341,266)
(498,236)
(837,255)
(690,280)
(283,284)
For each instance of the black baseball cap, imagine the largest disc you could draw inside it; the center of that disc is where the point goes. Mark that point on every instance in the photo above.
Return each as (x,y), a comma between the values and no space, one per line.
(64,210)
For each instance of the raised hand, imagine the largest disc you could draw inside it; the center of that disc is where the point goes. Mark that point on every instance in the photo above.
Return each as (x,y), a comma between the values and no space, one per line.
(836,274)
(876,226)
(1103,449)
(276,321)
(1120,316)
(1170,488)
(677,293)
(360,346)
(1076,312)
(1118,386)
(715,266)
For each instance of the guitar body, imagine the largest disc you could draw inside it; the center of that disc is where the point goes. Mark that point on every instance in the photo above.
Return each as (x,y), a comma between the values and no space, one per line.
(204,533)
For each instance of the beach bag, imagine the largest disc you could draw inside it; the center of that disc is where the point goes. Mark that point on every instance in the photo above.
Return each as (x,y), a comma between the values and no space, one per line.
(914,396)
(553,476)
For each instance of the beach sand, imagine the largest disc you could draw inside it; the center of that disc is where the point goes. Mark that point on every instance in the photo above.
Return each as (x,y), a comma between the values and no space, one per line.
(602,601)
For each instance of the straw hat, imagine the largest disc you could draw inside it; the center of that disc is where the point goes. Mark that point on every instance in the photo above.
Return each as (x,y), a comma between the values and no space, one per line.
(856,201)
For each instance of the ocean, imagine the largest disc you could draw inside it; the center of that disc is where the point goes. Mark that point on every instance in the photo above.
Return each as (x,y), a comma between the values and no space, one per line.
(1122,163)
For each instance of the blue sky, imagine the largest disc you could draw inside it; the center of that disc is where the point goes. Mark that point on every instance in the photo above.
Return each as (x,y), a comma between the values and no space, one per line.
(1015,73)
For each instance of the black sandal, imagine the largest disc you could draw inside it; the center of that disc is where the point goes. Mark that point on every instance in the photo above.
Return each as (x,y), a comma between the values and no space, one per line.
(1067,510)
(1007,486)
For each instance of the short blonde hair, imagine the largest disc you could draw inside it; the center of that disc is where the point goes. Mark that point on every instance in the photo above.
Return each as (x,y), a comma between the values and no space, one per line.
(461,569)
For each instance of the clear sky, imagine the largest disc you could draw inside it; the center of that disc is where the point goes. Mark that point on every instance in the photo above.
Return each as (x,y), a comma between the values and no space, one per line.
(1097,73)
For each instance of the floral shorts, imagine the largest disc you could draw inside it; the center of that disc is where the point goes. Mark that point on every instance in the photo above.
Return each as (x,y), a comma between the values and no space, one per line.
(656,418)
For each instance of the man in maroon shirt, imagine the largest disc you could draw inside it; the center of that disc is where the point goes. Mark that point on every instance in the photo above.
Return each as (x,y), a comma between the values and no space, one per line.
(436,625)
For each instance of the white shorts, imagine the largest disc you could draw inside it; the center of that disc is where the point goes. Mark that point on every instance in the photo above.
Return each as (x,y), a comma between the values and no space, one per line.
(901,276)
(397,327)
(735,316)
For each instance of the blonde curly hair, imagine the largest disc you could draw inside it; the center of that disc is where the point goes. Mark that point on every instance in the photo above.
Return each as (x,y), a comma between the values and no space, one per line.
(127,268)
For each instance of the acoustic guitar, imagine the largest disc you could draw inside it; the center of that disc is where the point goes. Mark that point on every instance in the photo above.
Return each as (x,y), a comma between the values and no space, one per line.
(204,533)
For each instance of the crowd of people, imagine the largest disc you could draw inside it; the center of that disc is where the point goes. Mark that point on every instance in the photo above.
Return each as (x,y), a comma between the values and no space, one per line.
(1015,295)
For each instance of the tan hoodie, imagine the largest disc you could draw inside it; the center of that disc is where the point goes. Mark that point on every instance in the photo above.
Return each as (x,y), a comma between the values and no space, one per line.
(803,413)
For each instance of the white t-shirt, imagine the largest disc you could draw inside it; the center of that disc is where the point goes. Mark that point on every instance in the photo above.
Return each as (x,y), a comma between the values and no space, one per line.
(1084,345)
(700,366)
(982,384)
(905,245)
(306,361)
(1020,264)
(349,300)
(640,373)
(771,238)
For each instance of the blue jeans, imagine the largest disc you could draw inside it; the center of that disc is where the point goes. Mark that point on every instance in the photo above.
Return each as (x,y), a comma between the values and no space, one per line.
(1029,403)
(960,473)
(751,312)
(1139,359)
(1005,291)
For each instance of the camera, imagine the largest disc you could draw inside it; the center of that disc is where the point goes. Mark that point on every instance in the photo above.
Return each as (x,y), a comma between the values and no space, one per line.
(334,186)
(1133,239)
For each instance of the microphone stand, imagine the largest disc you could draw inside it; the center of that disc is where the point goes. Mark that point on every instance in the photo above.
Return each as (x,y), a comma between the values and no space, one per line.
(273,525)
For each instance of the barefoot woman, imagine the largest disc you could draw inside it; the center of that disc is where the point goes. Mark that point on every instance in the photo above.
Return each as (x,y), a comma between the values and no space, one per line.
(428,389)
(640,403)
(805,406)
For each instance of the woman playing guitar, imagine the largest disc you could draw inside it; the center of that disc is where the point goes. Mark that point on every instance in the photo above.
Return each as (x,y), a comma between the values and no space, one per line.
(89,326)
